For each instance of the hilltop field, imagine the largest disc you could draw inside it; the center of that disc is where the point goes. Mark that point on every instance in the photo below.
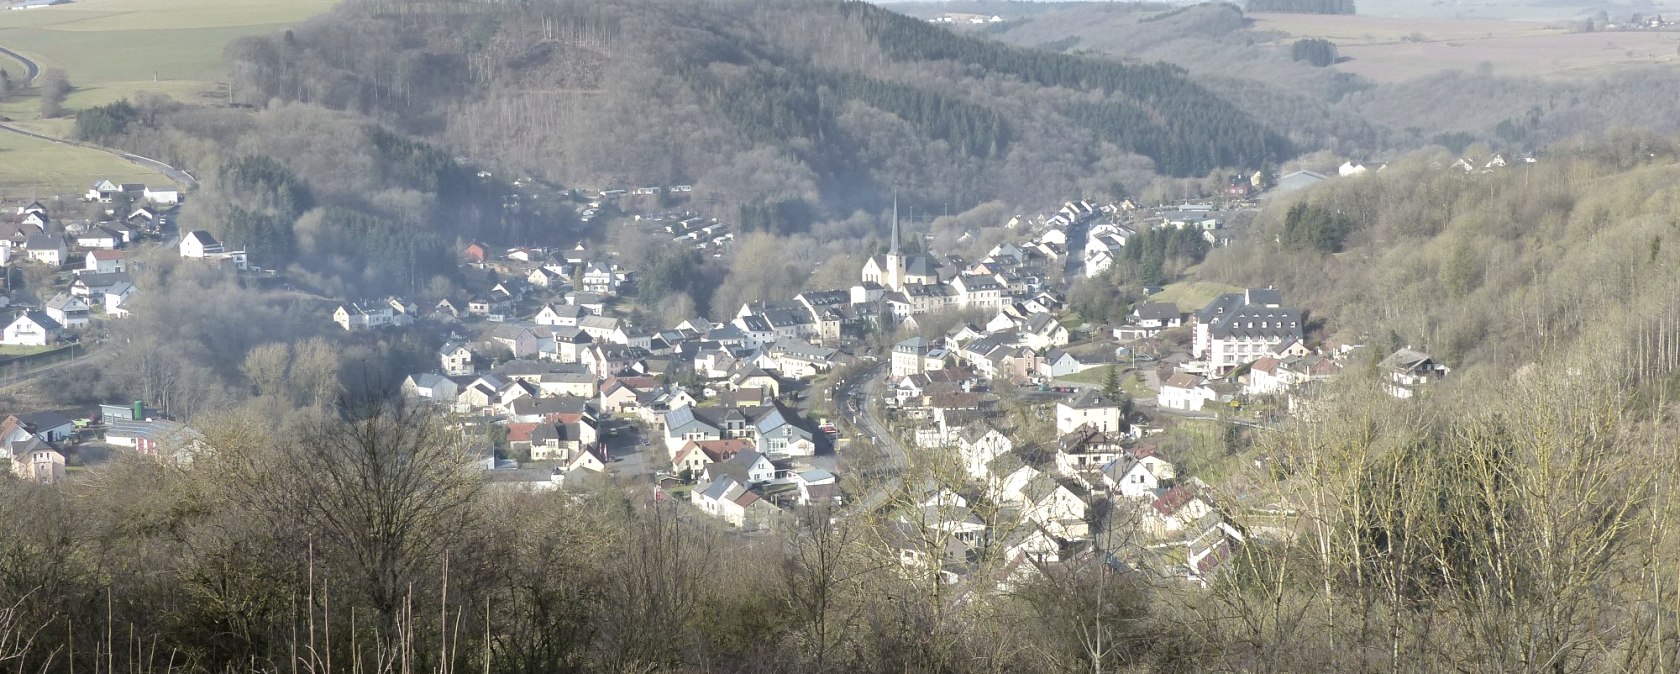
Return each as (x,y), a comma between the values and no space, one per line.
(114,49)
(1391,49)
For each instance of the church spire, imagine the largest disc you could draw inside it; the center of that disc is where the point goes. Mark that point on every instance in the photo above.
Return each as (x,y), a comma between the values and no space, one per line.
(894,249)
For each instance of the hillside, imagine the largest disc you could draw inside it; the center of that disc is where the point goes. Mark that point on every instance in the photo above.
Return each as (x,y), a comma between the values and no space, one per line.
(822,106)
(1493,270)
(1400,84)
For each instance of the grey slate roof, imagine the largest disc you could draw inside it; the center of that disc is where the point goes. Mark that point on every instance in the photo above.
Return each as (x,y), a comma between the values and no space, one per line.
(1157,311)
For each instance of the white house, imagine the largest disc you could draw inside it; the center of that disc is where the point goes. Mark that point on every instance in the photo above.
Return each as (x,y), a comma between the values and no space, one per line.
(115,298)
(104,191)
(1052,504)
(69,310)
(98,238)
(105,261)
(456,359)
(161,196)
(366,316)
(1089,408)
(436,388)
(560,315)
(907,356)
(1406,371)
(199,244)
(1175,510)
(1136,478)
(47,249)
(33,328)
(979,444)
(1184,391)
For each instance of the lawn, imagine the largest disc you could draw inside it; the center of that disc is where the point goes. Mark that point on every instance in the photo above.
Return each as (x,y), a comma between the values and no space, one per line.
(8,350)
(1130,382)
(1388,49)
(1192,295)
(115,49)
(1197,448)
(40,169)
(112,49)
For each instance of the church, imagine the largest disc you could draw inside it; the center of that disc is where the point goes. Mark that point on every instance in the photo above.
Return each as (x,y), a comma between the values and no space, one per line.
(909,285)
(896,272)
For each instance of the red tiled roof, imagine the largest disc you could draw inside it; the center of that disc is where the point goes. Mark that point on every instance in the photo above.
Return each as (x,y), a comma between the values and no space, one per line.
(1174,499)
(1213,558)
(723,450)
(520,432)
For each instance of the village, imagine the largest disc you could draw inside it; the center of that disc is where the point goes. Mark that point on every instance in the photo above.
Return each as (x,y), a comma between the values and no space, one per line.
(1011,437)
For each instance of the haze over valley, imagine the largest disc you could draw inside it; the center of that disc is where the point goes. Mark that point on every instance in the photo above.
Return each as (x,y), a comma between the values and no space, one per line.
(833,336)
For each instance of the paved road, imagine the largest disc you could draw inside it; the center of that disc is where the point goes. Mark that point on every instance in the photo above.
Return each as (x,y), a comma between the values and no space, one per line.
(33,70)
(869,422)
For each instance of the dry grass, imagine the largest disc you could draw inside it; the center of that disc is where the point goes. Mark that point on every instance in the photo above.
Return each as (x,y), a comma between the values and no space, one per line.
(1387,49)
(1192,295)
(38,168)
(115,48)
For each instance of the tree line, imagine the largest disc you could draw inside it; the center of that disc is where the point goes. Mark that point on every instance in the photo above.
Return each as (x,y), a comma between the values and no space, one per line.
(1317,51)
(1302,6)
(1148,102)
(749,102)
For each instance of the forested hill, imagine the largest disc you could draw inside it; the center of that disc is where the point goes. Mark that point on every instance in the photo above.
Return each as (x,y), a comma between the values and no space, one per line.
(820,106)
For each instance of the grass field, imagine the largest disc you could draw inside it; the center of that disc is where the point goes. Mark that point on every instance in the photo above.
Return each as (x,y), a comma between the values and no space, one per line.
(115,49)
(30,167)
(1193,295)
(1387,49)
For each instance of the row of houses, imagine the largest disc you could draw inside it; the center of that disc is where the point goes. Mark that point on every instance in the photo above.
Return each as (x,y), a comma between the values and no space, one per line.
(106,191)
(1021,343)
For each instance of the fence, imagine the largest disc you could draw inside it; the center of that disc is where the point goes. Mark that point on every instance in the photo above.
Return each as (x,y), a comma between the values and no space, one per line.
(19,368)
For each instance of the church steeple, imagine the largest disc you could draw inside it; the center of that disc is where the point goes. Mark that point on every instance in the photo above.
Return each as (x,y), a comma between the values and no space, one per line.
(894,249)
(894,273)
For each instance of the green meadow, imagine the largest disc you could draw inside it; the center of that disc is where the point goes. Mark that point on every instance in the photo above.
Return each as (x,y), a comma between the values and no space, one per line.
(115,49)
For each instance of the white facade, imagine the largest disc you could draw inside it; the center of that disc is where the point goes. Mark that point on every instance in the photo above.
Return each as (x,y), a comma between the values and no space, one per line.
(31,329)
(1090,409)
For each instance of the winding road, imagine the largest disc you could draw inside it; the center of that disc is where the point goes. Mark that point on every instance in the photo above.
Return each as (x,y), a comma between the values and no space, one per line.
(869,422)
(32,70)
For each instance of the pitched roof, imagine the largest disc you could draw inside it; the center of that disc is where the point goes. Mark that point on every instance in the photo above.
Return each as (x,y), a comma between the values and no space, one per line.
(545,406)
(1089,399)
(1182,380)
(40,318)
(1407,360)
(521,432)
(973,432)
(44,241)
(63,301)
(1169,503)
(44,420)
(1157,311)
